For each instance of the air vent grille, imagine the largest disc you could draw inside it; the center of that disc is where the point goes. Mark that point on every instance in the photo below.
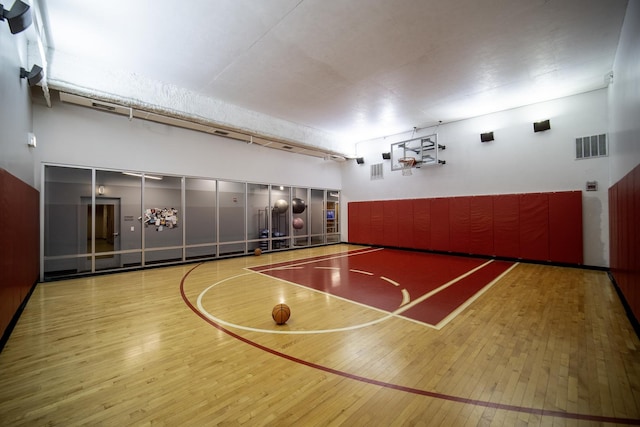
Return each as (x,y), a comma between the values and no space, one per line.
(591,146)
(376,171)
(103,107)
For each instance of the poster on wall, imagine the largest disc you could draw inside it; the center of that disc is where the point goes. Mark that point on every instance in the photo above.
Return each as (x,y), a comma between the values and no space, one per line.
(161,218)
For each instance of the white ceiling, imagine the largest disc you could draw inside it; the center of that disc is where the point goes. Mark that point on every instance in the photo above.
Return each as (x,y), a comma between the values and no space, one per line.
(349,70)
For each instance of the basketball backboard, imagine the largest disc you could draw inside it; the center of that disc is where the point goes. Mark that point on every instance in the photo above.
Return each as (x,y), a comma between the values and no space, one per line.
(423,149)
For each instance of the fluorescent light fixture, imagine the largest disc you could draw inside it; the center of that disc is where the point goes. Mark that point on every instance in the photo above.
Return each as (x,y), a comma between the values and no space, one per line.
(139,175)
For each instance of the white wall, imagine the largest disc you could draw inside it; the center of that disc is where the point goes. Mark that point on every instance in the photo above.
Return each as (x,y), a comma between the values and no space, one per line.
(624,98)
(517,161)
(73,135)
(15,107)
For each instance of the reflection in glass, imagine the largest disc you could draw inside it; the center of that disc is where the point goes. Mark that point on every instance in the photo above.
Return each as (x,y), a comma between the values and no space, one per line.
(231,202)
(200,218)
(280,216)
(300,219)
(98,220)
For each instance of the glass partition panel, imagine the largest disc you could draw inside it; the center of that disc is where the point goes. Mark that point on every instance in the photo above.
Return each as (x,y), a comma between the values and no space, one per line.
(257,215)
(232,214)
(333,216)
(316,216)
(162,256)
(232,249)
(118,225)
(300,216)
(280,216)
(162,218)
(200,218)
(67,220)
(96,220)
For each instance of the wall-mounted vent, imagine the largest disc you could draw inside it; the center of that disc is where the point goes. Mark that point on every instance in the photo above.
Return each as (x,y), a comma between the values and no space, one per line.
(221,132)
(591,146)
(103,107)
(376,171)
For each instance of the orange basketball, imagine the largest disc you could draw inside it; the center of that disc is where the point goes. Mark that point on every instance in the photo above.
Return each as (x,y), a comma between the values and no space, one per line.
(281,313)
(257,252)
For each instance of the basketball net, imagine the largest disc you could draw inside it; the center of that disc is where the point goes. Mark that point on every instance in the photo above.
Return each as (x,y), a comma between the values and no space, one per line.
(407,164)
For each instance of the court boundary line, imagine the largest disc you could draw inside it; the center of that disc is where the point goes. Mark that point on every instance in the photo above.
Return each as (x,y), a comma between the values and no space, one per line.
(407,389)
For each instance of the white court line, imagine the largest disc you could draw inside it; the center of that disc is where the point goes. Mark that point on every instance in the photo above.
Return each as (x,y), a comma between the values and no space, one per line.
(298,332)
(475,296)
(405,305)
(361,272)
(337,256)
(435,291)
(405,297)
(394,283)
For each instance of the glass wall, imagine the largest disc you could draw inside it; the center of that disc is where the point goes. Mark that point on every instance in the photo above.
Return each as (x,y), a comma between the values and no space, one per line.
(333,217)
(280,216)
(118,226)
(68,235)
(231,210)
(100,220)
(201,218)
(300,220)
(316,212)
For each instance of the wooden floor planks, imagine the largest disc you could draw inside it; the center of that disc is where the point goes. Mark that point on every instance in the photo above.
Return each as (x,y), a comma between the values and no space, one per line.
(127,349)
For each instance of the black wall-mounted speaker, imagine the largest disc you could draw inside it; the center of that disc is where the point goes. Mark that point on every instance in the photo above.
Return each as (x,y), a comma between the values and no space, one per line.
(541,126)
(386,156)
(359,160)
(486,137)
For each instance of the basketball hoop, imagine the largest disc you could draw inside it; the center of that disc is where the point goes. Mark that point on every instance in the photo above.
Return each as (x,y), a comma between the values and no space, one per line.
(407,164)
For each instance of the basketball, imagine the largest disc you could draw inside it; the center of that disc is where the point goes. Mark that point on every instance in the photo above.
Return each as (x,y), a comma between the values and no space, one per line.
(298,223)
(281,313)
(257,252)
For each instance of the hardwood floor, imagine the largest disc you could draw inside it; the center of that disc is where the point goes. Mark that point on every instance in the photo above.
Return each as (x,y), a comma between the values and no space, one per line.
(543,346)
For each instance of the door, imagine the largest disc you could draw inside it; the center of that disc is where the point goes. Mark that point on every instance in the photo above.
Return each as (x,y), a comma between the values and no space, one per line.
(107,232)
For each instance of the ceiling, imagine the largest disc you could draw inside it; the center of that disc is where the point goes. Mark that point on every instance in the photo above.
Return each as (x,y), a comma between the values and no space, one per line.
(328,73)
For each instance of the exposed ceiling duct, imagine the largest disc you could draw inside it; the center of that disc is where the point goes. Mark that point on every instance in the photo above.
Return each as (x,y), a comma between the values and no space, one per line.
(199,125)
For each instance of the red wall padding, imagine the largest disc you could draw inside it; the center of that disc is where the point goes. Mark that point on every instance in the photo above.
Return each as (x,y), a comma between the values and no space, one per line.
(460,224)
(624,237)
(405,224)
(440,233)
(390,221)
(421,223)
(533,226)
(481,241)
(506,225)
(565,227)
(20,243)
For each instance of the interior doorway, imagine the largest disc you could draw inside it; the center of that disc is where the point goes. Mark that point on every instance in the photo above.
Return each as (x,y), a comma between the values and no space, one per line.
(107,231)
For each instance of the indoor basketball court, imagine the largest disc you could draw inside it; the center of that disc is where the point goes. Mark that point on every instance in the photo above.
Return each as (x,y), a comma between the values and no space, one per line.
(438,328)
(419,213)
